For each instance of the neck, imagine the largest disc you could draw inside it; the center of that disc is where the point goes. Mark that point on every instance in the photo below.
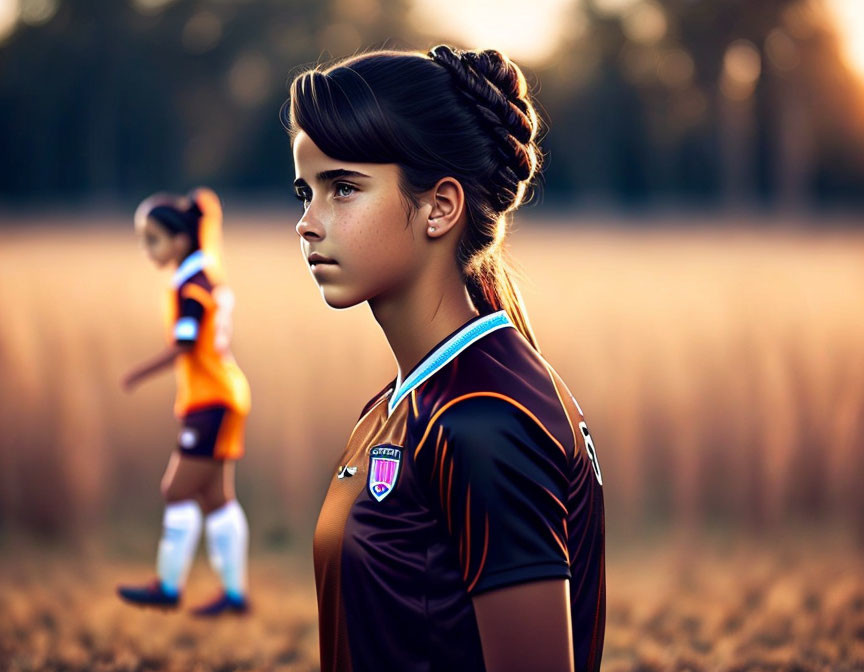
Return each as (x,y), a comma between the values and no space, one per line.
(422,315)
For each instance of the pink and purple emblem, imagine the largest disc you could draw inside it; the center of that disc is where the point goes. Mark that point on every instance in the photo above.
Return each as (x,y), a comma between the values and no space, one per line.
(383,470)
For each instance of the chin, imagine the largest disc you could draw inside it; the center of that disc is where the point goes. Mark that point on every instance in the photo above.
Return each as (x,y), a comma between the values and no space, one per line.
(339,298)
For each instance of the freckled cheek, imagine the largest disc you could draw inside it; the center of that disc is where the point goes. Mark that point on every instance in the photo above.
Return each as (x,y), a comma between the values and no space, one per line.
(372,237)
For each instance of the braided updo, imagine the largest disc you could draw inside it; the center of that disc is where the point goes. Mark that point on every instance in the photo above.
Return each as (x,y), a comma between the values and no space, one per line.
(496,89)
(447,113)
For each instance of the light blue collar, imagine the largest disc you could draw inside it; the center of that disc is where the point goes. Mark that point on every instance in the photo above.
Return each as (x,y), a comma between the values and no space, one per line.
(190,266)
(446,352)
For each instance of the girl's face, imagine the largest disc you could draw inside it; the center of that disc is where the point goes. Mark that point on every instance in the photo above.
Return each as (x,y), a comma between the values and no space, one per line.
(160,245)
(355,232)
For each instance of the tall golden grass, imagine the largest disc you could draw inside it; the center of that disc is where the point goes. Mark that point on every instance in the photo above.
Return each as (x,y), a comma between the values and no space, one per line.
(754,609)
(720,368)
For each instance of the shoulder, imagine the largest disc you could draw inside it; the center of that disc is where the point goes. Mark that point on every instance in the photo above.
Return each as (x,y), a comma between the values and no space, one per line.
(487,420)
(502,361)
(499,395)
(499,387)
(488,429)
(197,287)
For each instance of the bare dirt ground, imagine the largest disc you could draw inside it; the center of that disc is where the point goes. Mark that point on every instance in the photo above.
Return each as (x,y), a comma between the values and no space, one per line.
(757,607)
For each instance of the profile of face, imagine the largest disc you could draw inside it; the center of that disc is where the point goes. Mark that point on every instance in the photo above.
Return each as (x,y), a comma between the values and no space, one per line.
(357,234)
(161,246)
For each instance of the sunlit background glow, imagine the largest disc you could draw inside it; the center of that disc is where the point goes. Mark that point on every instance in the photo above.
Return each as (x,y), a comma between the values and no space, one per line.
(742,66)
(8,18)
(528,32)
(848,17)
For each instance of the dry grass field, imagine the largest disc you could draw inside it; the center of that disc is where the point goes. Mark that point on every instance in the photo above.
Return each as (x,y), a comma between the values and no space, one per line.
(720,367)
(752,608)
(62,615)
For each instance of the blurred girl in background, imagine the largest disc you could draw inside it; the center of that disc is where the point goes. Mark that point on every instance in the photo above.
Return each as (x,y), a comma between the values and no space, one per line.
(185,234)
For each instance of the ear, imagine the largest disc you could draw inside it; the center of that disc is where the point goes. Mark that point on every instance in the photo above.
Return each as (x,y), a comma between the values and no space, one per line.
(182,244)
(448,207)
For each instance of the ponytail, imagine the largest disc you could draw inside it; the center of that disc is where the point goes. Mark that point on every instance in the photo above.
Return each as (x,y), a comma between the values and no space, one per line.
(209,210)
(490,284)
(511,300)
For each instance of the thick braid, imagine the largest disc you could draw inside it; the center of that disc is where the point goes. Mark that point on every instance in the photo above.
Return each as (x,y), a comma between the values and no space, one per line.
(501,72)
(496,90)
(493,83)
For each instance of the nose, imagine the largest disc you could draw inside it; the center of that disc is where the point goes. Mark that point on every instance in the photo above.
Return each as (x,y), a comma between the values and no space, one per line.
(309,228)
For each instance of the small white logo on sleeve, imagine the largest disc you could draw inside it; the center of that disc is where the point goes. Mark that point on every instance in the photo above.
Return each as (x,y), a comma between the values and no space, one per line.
(188,437)
(592,452)
(345,471)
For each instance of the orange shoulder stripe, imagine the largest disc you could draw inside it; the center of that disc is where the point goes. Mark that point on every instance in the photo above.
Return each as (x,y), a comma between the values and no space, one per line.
(483,557)
(553,377)
(196,292)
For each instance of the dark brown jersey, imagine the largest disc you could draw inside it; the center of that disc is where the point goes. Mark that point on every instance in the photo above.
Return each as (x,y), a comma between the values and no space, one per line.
(474,473)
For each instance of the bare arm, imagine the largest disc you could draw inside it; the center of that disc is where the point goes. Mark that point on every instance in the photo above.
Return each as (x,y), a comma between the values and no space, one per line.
(152,366)
(526,627)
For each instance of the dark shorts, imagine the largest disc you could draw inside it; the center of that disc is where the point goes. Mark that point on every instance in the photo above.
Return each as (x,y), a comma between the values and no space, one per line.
(215,432)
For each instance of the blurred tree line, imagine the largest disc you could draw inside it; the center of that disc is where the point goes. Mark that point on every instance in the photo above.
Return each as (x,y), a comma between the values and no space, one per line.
(688,102)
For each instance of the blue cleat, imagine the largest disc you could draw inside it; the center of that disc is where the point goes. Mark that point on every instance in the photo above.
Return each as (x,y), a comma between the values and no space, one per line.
(224,604)
(151,595)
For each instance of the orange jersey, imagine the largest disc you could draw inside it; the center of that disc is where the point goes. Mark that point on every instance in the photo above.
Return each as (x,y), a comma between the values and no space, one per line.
(199,313)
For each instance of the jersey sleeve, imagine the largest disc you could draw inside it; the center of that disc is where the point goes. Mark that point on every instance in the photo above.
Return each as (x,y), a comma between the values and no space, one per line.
(500,481)
(192,300)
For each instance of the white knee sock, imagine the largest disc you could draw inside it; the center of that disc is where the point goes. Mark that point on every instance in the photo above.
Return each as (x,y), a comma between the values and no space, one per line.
(228,544)
(181,530)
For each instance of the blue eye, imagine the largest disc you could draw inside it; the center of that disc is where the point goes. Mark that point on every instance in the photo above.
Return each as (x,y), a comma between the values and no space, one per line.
(344,189)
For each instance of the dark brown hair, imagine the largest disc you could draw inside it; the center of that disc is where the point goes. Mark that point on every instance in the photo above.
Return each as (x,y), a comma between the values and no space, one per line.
(448,113)
(175,214)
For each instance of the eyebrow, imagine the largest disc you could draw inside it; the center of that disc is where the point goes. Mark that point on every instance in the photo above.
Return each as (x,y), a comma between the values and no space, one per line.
(329,176)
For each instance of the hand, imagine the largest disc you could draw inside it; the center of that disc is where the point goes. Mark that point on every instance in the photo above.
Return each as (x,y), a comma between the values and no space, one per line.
(151,366)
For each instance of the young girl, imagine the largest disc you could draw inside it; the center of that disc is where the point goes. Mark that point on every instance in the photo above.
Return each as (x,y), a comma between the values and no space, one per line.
(212,403)
(463,527)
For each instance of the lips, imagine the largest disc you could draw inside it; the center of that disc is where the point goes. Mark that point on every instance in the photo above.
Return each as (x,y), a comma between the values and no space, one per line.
(317,259)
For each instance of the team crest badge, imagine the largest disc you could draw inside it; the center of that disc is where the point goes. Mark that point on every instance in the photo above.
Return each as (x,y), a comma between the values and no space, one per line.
(384,463)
